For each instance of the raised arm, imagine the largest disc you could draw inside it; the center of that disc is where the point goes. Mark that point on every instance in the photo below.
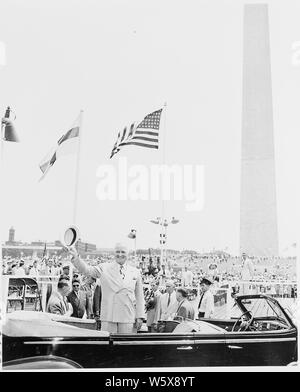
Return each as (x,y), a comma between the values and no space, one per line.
(82,267)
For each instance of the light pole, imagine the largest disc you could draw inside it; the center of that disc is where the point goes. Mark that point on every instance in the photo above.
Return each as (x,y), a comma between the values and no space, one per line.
(132,235)
(164,223)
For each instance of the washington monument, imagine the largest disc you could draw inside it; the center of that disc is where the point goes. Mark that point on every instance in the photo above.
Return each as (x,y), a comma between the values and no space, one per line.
(258,211)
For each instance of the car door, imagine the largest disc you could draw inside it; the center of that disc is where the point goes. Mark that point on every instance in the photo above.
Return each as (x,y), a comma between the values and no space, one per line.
(269,348)
(153,350)
(168,350)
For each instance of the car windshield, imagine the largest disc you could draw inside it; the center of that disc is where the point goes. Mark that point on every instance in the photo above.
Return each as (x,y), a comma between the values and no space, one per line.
(264,308)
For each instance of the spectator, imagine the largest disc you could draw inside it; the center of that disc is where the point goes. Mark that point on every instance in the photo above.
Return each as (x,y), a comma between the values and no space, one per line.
(167,304)
(79,300)
(206,303)
(151,305)
(57,303)
(185,309)
(187,277)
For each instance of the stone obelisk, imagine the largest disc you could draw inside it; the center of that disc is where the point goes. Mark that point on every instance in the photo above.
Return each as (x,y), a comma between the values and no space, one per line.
(258,210)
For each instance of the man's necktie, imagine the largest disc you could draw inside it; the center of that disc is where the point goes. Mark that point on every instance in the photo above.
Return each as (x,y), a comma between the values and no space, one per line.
(122,271)
(200,300)
(169,299)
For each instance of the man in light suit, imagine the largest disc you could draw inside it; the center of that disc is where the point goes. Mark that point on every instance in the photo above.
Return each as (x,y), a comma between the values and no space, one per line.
(49,269)
(185,309)
(187,277)
(167,304)
(57,303)
(79,300)
(122,304)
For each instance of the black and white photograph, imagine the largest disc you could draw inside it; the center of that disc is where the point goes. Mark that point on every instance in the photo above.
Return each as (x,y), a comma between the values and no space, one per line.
(149,187)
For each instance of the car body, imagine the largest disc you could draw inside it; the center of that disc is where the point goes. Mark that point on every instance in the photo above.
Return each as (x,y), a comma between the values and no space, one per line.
(261,333)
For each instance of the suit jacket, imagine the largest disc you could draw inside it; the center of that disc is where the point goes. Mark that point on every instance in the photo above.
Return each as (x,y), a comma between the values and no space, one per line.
(186,310)
(151,312)
(79,303)
(164,311)
(97,300)
(122,299)
(56,304)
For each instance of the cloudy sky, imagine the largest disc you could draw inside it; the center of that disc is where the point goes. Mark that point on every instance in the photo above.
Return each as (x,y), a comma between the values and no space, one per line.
(118,61)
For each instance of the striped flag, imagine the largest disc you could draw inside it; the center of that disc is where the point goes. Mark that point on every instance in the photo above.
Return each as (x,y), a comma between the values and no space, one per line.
(8,131)
(143,134)
(65,145)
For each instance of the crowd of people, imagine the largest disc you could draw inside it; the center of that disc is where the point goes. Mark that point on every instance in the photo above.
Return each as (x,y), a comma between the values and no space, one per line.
(122,291)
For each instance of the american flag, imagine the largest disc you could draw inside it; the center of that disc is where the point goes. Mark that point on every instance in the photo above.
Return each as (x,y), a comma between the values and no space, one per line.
(143,134)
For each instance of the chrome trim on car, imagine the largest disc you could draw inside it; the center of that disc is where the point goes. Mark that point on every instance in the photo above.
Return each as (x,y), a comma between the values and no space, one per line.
(152,342)
(83,342)
(262,340)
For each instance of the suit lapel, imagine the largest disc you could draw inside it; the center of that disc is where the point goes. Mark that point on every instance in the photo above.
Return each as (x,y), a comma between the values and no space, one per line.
(114,275)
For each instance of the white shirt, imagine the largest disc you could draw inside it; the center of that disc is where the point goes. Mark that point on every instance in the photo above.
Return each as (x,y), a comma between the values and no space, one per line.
(187,278)
(20,271)
(166,309)
(34,272)
(207,304)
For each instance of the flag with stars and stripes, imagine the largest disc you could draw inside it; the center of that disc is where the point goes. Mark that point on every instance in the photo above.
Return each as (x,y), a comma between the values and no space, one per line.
(143,134)
(65,145)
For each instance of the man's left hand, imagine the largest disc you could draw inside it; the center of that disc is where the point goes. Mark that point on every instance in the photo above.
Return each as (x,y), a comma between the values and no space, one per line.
(138,323)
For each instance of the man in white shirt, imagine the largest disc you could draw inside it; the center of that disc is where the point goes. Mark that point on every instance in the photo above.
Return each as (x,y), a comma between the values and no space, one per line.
(167,304)
(206,305)
(20,270)
(34,270)
(247,273)
(187,278)
(50,270)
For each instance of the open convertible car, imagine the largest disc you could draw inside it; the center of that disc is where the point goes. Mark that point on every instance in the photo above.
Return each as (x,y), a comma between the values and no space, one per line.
(259,333)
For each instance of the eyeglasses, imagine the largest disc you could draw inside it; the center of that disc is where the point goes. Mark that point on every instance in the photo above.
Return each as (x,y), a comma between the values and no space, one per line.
(75,285)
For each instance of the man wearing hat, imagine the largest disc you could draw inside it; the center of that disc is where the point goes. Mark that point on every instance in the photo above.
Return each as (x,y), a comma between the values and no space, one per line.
(65,270)
(206,303)
(122,304)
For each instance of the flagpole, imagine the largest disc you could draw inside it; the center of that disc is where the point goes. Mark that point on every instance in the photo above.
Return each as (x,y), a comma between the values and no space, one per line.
(77,170)
(1,179)
(163,201)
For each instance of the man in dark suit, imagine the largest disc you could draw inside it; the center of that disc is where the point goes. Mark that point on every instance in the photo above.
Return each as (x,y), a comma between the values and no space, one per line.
(185,309)
(79,300)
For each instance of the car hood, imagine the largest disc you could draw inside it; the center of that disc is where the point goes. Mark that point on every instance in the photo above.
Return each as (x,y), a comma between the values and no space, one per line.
(39,324)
